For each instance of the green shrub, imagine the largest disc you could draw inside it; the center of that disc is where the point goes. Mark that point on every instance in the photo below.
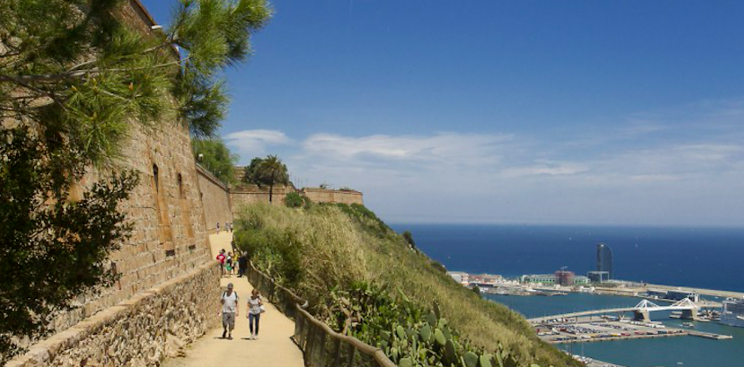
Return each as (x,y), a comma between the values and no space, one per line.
(294,200)
(342,245)
(408,334)
(437,265)
(409,238)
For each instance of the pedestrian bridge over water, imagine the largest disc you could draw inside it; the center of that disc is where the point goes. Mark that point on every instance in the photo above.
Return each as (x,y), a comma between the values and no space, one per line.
(640,312)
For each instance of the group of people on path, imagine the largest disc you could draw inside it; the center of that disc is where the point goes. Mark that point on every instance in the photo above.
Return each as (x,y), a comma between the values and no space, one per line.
(228,227)
(228,264)
(231,310)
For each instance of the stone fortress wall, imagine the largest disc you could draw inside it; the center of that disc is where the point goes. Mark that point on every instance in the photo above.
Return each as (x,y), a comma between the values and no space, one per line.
(168,281)
(318,195)
(215,197)
(165,296)
(244,194)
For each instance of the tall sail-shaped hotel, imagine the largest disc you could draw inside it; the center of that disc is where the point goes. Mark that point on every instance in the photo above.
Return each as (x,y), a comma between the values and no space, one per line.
(604,259)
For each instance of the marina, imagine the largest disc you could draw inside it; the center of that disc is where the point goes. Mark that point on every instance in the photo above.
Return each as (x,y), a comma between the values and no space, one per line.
(693,342)
(596,329)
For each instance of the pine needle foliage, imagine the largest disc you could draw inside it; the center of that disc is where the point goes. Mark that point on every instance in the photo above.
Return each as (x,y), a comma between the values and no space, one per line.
(52,248)
(77,69)
(75,77)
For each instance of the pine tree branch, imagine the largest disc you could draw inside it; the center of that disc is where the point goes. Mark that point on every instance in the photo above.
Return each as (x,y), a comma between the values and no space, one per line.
(40,78)
(24,84)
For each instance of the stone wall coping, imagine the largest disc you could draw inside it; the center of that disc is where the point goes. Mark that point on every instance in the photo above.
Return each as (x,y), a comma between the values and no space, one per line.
(44,351)
(244,188)
(318,189)
(209,176)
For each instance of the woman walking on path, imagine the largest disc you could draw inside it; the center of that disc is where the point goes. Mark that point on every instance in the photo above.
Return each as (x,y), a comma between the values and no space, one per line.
(255,306)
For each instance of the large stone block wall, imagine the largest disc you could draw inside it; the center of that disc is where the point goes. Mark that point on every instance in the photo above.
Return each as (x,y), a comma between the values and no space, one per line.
(169,237)
(333,196)
(140,331)
(252,194)
(215,197)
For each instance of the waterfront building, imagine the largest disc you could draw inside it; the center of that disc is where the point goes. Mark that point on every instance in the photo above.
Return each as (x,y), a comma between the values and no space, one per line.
(564,278)
(460,277)
(545,279)
(581,280)
(604,259)
(733,312)
(656,293)
(680,295)
(485,280)
(598,276)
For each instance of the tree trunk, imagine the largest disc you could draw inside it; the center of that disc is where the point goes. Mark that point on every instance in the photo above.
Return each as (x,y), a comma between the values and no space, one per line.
(271,187)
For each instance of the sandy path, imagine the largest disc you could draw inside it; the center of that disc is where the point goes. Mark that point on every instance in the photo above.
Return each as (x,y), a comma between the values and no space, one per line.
(273,347)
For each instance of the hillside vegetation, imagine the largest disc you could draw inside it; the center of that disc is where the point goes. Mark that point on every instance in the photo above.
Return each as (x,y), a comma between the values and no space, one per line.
(329,253)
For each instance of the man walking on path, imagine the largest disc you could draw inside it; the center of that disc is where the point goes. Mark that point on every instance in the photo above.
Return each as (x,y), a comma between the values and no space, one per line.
(229,311)
(243,264)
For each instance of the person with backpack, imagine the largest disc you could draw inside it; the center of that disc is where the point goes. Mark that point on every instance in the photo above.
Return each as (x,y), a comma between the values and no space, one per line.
(230,311)
(255,307)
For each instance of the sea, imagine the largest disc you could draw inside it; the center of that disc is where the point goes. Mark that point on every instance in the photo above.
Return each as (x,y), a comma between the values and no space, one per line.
(700,257)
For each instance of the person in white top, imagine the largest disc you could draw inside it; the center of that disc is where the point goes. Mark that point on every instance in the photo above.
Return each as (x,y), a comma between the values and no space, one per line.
(230,310)
(255,307)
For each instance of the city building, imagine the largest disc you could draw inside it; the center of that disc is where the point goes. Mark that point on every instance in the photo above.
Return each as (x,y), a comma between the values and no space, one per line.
(545,279)
(680,295)
(598,276)
(460,277)
(656,293)
(564,278)
(581,280)
(604,259)
(485,280)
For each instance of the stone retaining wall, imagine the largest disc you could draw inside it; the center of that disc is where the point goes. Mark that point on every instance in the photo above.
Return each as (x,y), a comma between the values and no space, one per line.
(215,197)
(251,194)
(318,195)
(140,331)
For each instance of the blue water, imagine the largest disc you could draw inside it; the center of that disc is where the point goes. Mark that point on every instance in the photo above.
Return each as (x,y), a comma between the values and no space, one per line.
(696,257)
(685,351)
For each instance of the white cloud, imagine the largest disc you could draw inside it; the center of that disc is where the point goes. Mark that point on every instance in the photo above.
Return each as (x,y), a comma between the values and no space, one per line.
(255,142)
(653,178)
(651,169)
(548,169)
(441,148)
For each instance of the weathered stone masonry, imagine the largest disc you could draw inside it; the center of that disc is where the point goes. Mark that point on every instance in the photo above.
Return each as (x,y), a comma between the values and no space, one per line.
(165,296)
(138,332)
(215,199)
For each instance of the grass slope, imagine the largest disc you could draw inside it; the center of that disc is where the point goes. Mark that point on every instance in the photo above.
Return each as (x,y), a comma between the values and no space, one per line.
(315,249)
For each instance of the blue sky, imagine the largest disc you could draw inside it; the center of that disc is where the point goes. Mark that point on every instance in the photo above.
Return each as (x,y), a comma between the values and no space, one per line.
(580,112)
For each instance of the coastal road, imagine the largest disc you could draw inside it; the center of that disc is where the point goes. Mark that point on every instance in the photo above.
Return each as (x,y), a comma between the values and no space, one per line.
(707,292)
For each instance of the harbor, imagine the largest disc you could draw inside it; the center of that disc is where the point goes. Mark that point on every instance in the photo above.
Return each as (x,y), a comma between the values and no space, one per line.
(596,329)
(693,341)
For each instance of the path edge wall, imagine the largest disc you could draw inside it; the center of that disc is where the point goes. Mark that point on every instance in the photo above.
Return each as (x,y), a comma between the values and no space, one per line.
(141,331)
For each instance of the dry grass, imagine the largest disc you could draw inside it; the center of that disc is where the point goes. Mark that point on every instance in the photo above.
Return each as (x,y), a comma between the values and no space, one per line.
(339,247)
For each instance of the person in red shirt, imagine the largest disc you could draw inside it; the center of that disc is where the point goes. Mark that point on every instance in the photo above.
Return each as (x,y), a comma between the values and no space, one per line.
(221,258)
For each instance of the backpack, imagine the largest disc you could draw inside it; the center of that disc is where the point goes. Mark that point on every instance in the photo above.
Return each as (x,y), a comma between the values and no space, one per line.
(236,295)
